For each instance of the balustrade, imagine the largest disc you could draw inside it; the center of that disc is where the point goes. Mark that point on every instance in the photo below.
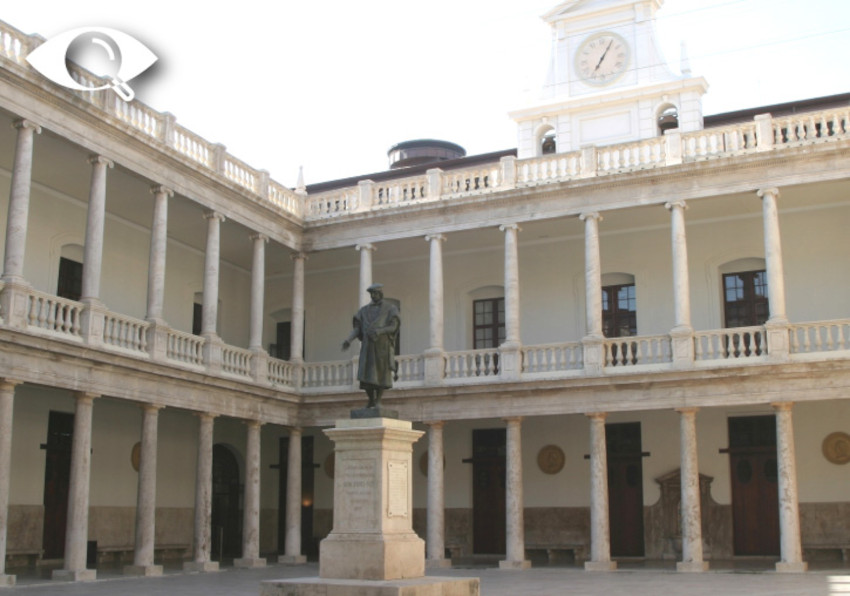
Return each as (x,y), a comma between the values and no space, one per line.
(730,344)
(327,374)
(236,361)
(549,168)
(281,372)
(470,364)
(411,369)
(185,347)
(54,314)
(399,192)
(471,181)
(825,336)
(551,358)
(125,332)
(637,350)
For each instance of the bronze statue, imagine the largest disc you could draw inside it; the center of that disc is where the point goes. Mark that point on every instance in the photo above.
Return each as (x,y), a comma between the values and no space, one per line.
(376,325)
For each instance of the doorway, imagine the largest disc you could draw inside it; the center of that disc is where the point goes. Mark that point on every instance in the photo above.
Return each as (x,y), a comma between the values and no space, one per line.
(755,495)
(57,480)
(488,491)
(226,518)
(625,489)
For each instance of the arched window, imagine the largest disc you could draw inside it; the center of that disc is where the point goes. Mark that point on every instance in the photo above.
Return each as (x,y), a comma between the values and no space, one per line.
(668,119)
(548,144)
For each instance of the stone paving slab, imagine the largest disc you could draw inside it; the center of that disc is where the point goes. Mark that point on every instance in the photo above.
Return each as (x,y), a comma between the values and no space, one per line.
(540,581)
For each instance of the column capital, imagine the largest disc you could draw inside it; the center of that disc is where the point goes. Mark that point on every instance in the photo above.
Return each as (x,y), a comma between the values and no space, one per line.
(206,415)
(251,423)
(687,410)
(8,384)
(99,159)
(295,430)
(295,256)
(679,203)
(510,226)
(595,215)
(434,423)
(85,397)
(782,406)
(151,407)
(429,237)
(214,215)
(596,415)
(364,246)
(513,419)
(161,189)
(259,236)
(24,123)
(769,190)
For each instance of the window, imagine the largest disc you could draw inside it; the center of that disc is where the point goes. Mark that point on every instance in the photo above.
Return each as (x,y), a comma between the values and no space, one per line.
(745,301)
(282,348)
(197,318)
(489,323)
(70,283)
(619,310)
(548,145)
(668,119)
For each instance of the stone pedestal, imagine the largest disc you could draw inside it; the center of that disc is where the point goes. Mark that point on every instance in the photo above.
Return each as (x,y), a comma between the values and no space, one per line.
(372,549)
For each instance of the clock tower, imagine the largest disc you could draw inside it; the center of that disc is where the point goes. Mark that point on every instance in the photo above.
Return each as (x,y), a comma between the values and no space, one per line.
(607,82)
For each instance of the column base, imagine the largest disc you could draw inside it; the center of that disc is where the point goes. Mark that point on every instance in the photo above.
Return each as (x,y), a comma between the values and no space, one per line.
(78,575)
(692,566)
(438,563)
(291,559)
(7,581)
(143,570)
(200,567)
(249,563)
(600,565)
(515,565)
(800,567)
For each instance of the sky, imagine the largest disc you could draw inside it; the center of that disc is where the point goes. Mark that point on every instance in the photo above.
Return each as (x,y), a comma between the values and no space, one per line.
(331,85)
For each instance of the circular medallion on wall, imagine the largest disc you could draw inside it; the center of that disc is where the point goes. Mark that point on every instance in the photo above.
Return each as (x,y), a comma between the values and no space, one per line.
(550,459)
(329,465)
(136,456)
(836,448)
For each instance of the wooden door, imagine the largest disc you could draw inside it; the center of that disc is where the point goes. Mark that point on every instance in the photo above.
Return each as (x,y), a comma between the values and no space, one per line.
(755,494)
(226,518)
(625,489)
(309,546)
(57,477)
(488,491)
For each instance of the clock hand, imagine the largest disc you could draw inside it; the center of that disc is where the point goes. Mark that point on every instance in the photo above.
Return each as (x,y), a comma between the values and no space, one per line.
(602,57)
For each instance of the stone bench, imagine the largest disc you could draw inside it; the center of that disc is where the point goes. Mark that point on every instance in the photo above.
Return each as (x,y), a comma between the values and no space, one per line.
(124,553)
(22,557)
(843,548)
(578,550)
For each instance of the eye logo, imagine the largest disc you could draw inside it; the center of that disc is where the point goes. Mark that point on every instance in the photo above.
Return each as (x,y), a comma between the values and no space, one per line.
(107,53)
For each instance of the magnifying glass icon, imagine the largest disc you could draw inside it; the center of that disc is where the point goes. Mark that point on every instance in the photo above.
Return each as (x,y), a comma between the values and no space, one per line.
(105,62)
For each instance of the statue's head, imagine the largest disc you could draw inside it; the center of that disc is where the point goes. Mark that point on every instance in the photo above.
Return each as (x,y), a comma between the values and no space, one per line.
(376,292)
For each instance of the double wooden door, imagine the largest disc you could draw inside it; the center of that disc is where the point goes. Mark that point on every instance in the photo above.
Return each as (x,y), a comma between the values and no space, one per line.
(625,489)
(488,491)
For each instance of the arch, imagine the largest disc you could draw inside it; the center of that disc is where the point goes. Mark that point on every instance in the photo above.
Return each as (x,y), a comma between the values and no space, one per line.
(745,264)
(666,118)
(545,140)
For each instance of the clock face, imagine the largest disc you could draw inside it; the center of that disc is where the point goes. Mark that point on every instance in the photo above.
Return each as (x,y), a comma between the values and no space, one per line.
(602,58)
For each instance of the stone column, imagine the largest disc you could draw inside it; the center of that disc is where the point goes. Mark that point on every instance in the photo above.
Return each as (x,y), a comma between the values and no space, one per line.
(143,563)
(366,251)
(690,509)
(19,202)
(594,359)
(292,545)
(93,251)
(600,537)
(436,530)
(296,328)
(682,333)
(790,543)
(7,402)
(510,357)
(211,270)
(203,499)
(76,533)
(156,266)
(514,506)
(258,284)
(251,507)
(434,357)
(773,256)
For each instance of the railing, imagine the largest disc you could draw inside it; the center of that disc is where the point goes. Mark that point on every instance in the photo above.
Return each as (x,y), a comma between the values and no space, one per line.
(125,332)
(811,127)
(54,314)
(633,351)
(826,336)
(470,364)
(332,203)
(719,142)
(738,343)
(398,192)
(549,168)
(411,369)
(281,372)
(551,358)
(185,347)
(236,361)
(327,374)
(13,44)
(630,156)
(470,181)
(241,173)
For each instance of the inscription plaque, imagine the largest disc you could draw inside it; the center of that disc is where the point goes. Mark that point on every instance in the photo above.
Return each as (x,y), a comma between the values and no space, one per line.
(397,489)
(358,493)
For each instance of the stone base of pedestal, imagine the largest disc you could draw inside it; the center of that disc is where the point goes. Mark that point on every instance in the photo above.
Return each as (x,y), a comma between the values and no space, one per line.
(518,565)
(423,586)
(79,575)
(379,557)
(438,563)
(692,566)
(202,567)
(291,559)
(6,581)
(801,567)
(378,412)
(249,563)
(143,570)
(600,565)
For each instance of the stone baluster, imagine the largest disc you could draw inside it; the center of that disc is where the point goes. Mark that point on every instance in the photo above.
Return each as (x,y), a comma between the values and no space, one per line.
(251,508)
(143,561)
(790,544)
(202,546)
(292,543)
(514,503)
(600,537)
(76,533)
(690,511)
(7,402)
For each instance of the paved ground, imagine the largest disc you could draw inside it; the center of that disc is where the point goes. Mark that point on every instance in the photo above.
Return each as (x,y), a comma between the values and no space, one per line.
(539,581)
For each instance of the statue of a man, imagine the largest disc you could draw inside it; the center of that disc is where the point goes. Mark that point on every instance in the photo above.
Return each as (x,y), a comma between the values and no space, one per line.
(376,326)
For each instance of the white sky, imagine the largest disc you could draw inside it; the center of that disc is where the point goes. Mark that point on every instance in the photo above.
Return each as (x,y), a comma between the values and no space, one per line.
(332,84)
